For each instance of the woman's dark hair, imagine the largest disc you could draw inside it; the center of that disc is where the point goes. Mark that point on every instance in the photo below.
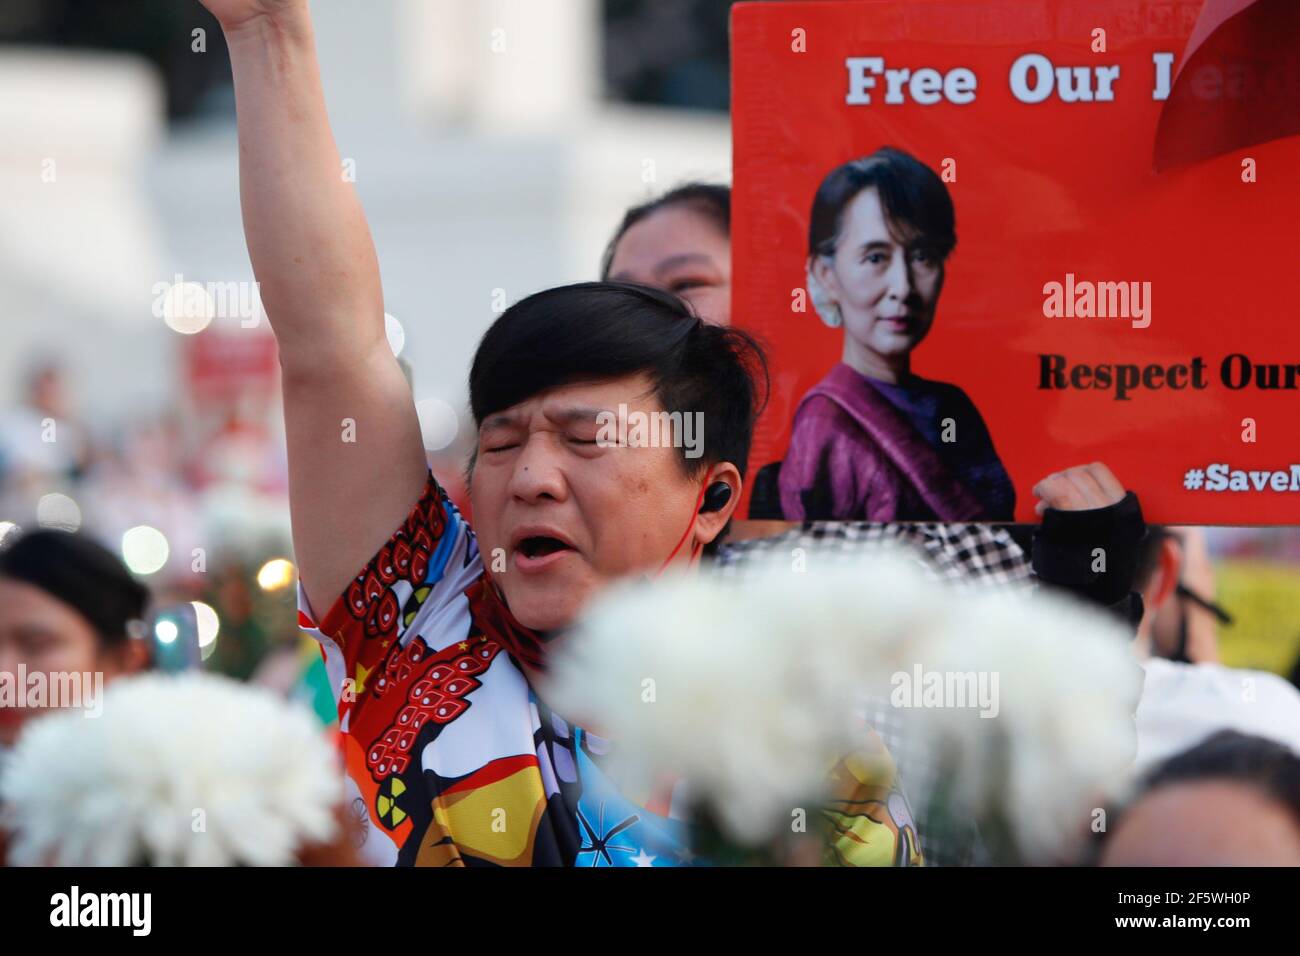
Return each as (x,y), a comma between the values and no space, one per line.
(711,199)
(83,575)
(1272,769)
(911,193)
(601,330)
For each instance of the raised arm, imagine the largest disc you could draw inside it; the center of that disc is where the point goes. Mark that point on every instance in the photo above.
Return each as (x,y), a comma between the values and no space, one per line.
(356,459)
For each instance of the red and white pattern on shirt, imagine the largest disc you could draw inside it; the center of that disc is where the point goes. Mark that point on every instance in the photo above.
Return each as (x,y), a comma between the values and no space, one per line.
(437,695)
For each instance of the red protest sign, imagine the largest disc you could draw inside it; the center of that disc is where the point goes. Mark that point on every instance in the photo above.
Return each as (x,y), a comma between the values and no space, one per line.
(1079,248)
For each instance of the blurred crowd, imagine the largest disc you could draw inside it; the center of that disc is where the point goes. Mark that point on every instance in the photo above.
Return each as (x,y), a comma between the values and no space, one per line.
(194,508)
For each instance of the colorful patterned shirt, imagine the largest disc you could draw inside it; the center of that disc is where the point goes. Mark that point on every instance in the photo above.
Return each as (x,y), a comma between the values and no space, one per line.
(453,760)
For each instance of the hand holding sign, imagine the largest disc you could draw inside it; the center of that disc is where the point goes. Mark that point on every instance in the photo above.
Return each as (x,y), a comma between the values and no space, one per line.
(1081,488)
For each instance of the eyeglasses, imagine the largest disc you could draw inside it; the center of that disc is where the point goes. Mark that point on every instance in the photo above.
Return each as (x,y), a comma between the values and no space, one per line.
(1187,594)
(1183,591)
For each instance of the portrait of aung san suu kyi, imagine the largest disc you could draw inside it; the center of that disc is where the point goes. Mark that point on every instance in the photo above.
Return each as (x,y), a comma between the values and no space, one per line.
(872,440)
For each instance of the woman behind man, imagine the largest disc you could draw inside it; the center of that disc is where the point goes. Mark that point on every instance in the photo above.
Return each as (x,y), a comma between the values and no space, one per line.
(681,242)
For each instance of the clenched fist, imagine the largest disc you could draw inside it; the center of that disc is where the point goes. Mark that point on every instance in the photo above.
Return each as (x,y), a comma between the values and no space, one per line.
(1080,488)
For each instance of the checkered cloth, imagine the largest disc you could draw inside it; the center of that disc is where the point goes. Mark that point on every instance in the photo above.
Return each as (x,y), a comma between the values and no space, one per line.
(968,555)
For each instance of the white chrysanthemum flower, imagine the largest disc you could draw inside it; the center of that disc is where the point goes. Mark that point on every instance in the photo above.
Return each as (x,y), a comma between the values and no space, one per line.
(192,770)
(750,689)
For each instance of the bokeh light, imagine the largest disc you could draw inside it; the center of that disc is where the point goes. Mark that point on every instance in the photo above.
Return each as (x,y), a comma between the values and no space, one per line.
(166,631)
(396,334)
(188,308)
(275,574)
(438,423)
(57,510)
(6,529)
(208,625)
(144,549)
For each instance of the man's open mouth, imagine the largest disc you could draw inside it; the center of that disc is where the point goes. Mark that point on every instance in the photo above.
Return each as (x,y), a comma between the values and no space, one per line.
(539,546)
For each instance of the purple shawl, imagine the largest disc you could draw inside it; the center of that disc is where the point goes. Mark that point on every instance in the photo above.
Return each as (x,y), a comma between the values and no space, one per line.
(854,456)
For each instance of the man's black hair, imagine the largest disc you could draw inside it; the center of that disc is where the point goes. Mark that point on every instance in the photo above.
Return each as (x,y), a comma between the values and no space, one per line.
(711,199)
(81,573)
(911,194)
(593,331)
(1148,556)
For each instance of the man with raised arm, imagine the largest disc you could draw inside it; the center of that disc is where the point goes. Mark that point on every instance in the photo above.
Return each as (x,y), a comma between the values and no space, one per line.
(319,280)
(432,633)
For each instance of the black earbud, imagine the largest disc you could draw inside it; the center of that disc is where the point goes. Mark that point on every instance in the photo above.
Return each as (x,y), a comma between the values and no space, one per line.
(717,495)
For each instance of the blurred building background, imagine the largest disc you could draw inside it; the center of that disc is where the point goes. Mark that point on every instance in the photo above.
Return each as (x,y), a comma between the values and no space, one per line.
(495,145)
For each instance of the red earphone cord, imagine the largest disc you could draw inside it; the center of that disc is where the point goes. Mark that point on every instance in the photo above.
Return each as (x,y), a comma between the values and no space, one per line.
(695,549)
